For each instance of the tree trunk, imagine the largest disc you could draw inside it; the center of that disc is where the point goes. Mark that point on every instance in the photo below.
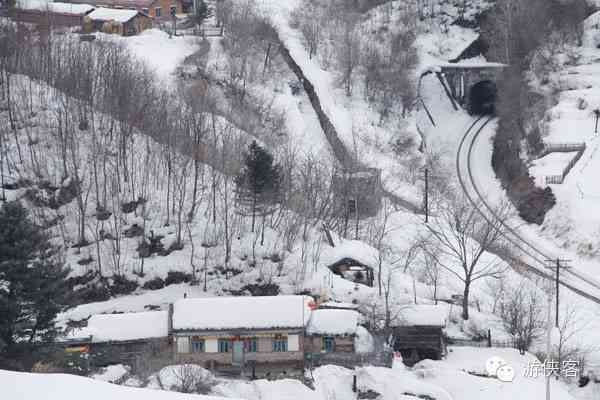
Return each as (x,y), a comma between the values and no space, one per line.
(465,302)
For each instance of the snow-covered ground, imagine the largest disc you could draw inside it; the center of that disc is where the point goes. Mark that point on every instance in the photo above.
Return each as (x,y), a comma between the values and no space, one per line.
(25,386)
(162,54)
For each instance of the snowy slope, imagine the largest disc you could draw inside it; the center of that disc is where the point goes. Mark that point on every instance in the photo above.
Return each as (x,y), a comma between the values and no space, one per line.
(24,386)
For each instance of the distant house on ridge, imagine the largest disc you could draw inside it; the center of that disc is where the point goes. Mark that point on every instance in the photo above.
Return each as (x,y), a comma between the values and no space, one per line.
(50,13)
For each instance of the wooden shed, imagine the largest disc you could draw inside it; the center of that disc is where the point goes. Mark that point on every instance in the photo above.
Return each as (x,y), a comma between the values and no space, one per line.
(140,340)
(419,333)
(120,22)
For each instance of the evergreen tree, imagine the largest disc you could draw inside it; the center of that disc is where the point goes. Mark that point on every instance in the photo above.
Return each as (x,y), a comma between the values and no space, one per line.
(259,182)
(201,11)
(33,288)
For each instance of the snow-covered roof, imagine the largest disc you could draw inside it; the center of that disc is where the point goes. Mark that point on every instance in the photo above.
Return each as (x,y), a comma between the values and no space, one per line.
(423,315)
(354,249)
(338,305)
(111,14)
(261,312)
(55,7)
(124,327)
(332,322)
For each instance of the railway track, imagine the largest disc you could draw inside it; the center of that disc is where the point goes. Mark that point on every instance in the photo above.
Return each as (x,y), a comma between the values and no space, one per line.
(536,259)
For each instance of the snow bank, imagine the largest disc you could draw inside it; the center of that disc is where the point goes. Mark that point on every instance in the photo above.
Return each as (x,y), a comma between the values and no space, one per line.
(112,373)
(263,312)
(25,386)
(111,14)
(332,322)
(424,315)
(363,341)
(170,377)
(128,326)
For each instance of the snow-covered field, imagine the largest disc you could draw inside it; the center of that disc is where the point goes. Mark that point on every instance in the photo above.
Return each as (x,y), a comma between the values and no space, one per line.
(25,386)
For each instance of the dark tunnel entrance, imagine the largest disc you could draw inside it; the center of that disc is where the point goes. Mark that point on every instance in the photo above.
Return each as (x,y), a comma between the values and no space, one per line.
(482,98)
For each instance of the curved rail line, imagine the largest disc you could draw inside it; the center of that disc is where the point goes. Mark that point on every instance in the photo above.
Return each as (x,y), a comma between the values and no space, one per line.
(520,243)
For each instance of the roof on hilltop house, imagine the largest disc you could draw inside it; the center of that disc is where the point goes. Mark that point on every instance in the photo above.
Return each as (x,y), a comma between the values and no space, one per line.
(124,327)
(423,315)
(54,7)
(110,14)
(333,322)
(118,3)
(354,249)
(261,312)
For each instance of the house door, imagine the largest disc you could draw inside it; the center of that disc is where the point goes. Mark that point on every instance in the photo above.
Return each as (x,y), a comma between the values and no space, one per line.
(238,352)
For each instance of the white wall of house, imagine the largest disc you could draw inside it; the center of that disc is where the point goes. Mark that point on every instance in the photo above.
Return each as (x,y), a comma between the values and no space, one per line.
(211,346)
(293,342)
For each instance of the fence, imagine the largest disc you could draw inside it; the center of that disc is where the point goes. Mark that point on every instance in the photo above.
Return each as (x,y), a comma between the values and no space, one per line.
(564,148)
(350,360)
(483,343)
(561,148)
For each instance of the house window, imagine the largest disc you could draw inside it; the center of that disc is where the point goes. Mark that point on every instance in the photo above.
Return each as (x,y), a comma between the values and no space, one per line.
(224,345)
(250,345)
(173,10)
(328,344)
(145,11)
(279,344)
(197,345)
(157,11)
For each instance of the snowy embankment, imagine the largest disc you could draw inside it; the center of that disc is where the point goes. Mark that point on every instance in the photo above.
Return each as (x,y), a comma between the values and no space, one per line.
(461,376)
(25,386)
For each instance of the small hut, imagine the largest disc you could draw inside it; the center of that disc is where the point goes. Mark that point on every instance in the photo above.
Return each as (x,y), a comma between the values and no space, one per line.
(120,22)
(352,260)
(419,334)
(330,336)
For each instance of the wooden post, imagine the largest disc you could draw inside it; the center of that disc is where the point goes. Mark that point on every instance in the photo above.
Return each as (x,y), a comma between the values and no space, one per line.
(489,338)
(426,195)
(354,388)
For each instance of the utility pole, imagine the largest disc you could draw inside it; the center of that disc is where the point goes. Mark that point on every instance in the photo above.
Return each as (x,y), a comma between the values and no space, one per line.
(426,195)
(557,265)
(549,337)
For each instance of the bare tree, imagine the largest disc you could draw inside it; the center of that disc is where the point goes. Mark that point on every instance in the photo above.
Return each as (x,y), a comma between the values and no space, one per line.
(458,238)
(522,313)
